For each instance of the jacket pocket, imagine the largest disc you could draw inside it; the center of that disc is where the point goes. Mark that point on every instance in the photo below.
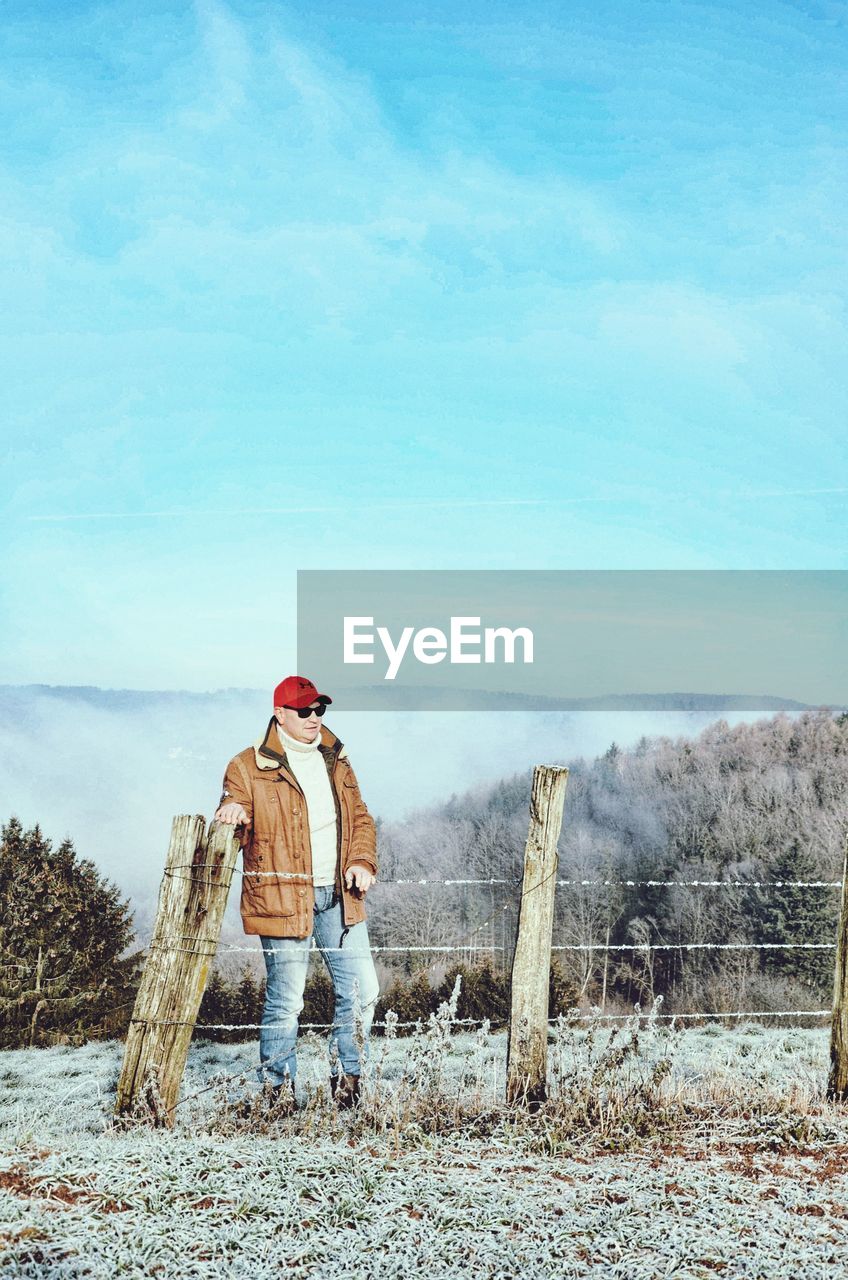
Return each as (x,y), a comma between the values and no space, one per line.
(270,893)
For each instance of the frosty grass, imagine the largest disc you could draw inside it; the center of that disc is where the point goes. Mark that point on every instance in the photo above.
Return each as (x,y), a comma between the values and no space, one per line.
(327,1194)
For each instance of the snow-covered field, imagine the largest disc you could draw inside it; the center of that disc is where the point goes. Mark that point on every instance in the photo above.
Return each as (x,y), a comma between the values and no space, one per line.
(702,1153)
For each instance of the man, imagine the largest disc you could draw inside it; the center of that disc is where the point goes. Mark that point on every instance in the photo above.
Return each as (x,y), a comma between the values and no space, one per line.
(309,847)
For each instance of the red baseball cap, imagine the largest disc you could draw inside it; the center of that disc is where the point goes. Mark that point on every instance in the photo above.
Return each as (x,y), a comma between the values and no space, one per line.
(297,691)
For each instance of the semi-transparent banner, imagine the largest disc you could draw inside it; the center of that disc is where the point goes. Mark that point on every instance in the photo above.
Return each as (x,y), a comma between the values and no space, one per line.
(580,639)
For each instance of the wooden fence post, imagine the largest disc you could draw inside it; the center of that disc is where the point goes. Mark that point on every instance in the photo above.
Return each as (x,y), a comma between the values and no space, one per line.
(527,1049)
(837,1085)
(192,901)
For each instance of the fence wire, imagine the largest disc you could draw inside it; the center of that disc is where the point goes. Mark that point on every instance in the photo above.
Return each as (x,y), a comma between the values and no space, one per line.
(593,1016)
(305,876)
(209,947)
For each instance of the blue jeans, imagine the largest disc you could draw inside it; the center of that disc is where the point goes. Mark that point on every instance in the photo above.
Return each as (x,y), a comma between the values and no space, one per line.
(286,962)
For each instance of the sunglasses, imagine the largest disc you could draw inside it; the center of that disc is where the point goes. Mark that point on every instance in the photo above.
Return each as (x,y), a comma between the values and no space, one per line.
(305,712)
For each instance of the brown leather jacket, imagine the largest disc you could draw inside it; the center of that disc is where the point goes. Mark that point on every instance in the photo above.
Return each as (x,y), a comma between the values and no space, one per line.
(277,840)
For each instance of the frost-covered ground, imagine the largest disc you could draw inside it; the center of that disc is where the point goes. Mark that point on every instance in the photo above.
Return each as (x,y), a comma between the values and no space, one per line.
(711,1152)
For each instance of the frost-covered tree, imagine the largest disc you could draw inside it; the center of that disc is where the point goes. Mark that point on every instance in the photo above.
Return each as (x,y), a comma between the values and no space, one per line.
(64,930)
(720,806)
(789,913)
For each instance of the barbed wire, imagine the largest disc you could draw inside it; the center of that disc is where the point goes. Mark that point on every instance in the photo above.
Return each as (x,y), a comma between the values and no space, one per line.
(213,947)
(308,952)
(589,883)
(434,1020)
(326,1026)
(693,946)
(708,884)
(571,1016)
(745,1013)
(287,1026)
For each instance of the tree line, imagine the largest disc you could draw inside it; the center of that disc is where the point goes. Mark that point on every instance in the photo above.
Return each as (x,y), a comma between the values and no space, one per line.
(756,802)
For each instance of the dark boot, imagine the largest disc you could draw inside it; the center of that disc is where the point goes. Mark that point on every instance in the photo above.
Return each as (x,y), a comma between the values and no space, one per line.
(345,1090)
(272,1100)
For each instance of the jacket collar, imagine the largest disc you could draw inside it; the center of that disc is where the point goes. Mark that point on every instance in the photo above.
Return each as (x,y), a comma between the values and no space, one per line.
(269,753)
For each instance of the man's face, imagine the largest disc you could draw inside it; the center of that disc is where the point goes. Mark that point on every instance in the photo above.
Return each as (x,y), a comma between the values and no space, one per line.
(305,730)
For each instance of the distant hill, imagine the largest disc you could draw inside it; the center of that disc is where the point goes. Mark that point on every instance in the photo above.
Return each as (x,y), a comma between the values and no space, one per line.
(16,698)
(436,698)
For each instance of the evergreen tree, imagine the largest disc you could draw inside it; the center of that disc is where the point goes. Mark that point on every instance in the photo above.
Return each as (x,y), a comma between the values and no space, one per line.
(63,932)
(219,1008)
(318,997)
(790,914)
(410,1000)
(250,1000)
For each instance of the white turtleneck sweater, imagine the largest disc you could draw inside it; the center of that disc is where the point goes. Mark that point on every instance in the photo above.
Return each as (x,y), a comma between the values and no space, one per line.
(307,765)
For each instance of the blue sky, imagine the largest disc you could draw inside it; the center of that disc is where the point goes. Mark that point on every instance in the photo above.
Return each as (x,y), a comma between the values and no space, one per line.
(400,286)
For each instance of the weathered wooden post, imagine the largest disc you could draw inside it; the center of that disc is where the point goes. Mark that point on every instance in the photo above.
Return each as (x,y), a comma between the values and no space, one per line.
(837,1085)
(527,1049)
(192,901)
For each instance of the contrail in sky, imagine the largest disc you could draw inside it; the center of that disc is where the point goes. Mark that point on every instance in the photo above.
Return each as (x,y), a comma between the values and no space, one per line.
(406,506)
(783,493)
(336,506)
